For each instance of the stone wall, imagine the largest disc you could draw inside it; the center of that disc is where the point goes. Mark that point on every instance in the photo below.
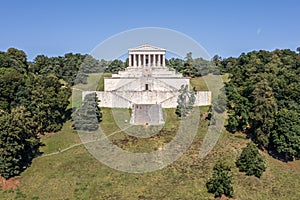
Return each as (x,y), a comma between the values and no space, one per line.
(125,99)
(175,83)
(155,84)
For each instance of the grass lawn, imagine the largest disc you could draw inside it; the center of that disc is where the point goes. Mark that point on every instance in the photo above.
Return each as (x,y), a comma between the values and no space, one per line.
(95,83)
(100,86)
(76,174)
(65,138)
(199,84)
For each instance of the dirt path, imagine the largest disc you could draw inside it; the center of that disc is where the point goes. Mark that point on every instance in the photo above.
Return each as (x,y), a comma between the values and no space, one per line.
(82,143)
(8,184)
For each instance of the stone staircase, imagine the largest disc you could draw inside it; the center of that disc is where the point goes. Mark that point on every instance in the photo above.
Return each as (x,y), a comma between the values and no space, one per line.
(147,114)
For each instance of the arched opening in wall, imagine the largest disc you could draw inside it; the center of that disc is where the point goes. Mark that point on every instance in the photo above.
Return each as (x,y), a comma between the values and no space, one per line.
(146,87)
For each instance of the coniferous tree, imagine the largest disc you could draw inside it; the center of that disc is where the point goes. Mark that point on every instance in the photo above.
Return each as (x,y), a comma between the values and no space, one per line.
(88,116)
(251,161)
(220,104)
(185,101)
(220,181)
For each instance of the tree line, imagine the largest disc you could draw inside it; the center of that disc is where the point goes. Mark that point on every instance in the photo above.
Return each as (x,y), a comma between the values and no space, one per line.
(34,99)
(263,99)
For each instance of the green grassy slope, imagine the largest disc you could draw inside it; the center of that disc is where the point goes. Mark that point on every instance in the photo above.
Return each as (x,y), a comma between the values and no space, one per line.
(76,174)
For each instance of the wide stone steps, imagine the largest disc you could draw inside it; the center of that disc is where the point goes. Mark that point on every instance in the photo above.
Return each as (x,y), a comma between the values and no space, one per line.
(147,114)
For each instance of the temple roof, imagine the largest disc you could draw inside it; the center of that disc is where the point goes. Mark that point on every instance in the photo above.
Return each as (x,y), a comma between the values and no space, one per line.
(146,47)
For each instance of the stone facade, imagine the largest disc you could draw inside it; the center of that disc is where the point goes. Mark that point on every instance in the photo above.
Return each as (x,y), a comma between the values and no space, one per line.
(146,81)
(125,99)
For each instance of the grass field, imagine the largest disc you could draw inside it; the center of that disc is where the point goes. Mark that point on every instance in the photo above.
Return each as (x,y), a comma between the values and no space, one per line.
(92,83)
(199,84)
(100,86)
(66,170)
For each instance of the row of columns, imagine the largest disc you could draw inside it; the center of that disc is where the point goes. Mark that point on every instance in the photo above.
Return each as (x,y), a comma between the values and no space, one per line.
(136,60)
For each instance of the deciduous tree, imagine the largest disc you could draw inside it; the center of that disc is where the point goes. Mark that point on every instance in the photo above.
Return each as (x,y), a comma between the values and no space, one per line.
(18,141)
(263,113)
(286,133)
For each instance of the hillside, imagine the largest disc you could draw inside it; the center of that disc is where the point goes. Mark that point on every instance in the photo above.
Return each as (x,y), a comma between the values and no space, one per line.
(75,174)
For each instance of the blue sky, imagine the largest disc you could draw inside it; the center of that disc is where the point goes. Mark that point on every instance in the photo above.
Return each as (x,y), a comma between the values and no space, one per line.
(226,28)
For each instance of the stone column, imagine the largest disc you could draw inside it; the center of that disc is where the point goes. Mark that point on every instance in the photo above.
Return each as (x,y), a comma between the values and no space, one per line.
(154,59)
(129,61)
(144,59)
(139,60)
(134,60)
(153,63)
(158,57)
(164,60)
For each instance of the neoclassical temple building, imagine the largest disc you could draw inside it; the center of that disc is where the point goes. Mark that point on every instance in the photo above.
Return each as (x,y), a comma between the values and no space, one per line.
(146,55)
(146,86)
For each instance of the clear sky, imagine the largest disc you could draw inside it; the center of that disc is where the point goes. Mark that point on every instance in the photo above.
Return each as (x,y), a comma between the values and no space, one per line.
(223,27)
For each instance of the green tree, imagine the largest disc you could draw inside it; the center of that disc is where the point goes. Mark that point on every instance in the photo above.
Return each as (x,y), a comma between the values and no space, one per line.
(260,83)
(10,82)
(18,59)
(81,78)
(185,101)
(64,67)
(91,65)
(176,64)
(187,69)
(220,104)
(189,58)
(5,60)
(88,116)
(126,62)
(286,133)
(203,67)
(251,161)
(216,59)
(18,141)
(220,182)
(238,109)
(263,114)
(48,103)
(39,63)
(115,66)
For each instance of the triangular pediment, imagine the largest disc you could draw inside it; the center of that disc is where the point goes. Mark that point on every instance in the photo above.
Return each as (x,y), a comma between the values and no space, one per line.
(146,47)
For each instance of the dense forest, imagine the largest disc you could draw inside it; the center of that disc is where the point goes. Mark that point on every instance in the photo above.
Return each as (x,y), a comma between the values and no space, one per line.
(262,97)
(34,100)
